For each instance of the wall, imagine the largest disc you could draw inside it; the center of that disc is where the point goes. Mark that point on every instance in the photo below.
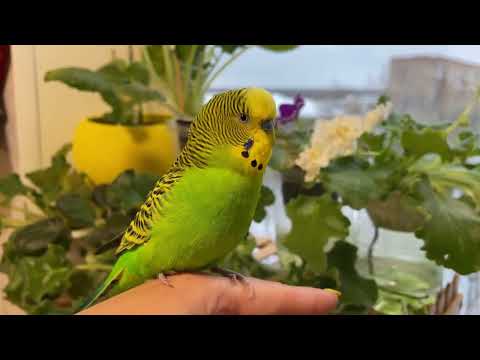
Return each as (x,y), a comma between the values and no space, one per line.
(433,89)
(39,122)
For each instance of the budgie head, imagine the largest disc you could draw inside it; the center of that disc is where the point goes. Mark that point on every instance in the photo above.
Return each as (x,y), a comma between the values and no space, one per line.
(238,128)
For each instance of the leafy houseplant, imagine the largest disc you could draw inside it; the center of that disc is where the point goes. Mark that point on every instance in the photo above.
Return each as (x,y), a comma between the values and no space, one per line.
(184,73)
(408,176)
(125,137)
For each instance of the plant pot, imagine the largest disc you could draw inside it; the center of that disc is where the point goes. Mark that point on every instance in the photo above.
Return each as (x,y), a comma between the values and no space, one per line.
(104,150)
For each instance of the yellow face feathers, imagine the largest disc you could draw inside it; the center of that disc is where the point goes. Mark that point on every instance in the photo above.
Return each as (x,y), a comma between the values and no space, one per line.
(252,155)
(235,128)
(261,105)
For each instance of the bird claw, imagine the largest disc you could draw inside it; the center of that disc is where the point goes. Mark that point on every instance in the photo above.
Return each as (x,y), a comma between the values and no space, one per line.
(164,280)
(236,277)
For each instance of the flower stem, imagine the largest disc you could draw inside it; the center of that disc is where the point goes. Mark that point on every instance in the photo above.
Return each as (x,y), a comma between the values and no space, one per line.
(464,118)
(168,68)
(180,90)
(188,72)
(196,88)
(209,82)
(371,246)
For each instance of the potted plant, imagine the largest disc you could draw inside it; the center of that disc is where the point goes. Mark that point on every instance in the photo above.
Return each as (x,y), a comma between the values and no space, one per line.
(407,177)
(184,73)
(126,137)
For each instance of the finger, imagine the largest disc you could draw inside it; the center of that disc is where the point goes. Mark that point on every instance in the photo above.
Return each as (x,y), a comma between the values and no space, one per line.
(275,298)
(203,294)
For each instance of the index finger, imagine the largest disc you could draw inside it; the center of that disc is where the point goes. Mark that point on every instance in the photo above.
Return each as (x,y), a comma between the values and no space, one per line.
(274,298)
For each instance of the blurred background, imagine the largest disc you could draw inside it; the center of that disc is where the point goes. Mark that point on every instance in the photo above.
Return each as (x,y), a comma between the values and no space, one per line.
(432,83)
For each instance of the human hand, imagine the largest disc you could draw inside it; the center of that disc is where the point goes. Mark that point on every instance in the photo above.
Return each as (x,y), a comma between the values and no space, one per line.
(199,294)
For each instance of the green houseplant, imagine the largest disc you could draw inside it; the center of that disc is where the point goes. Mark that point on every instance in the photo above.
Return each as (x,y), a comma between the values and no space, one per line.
(184,73)
(409,177)
(125,137)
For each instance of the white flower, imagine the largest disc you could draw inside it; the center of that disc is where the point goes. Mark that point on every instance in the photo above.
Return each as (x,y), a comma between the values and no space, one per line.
(337,137)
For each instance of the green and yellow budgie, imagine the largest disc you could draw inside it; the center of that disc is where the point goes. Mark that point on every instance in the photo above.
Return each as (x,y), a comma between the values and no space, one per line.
(202,208)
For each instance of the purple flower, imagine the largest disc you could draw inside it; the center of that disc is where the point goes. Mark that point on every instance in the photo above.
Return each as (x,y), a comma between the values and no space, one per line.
(290,112)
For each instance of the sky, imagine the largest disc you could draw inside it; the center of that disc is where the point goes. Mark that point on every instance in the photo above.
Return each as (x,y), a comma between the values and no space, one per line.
(326,66)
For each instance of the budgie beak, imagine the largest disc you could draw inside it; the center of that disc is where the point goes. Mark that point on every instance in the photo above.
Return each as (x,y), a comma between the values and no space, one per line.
(269,126)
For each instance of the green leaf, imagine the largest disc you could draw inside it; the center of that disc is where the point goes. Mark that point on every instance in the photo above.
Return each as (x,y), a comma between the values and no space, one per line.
(279,48)
(115,71)
(371,142)
(283,157)
(315,221)
(86,80)
(229,49)
(198,62)
(61,155)
(82,283)
(77,210)
(33,239)
(401,281)
(139,93)
(183,52)
(427,140)
(451,234)
(99,196)
(34,281)
(394,304)
(358,182)
(466,144)
(77,183)
(130,190)
(119,85)
(138,72)
(114,225)
(266,199)
(398,212)
(383,100)
(155,54)
(290,142)
(50,180)
(446,177)
(11,186)
(355,289)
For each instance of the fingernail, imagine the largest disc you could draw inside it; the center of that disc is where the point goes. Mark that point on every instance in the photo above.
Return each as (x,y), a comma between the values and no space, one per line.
(336,292)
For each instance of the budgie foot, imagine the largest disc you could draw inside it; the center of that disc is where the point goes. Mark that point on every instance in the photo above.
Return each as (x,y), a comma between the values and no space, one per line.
(170,273)
(235,277)
(164,280)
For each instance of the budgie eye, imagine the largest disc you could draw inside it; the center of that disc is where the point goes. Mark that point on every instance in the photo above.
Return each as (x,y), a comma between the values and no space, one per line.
(243,118)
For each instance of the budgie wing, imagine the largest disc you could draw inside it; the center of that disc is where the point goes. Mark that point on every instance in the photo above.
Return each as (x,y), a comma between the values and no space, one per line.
(138,232)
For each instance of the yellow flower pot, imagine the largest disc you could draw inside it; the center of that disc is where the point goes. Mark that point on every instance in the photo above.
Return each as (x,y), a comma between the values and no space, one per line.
(103,151)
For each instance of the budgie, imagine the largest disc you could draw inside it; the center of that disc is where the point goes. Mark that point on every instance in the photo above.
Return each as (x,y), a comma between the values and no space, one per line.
(203,206)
